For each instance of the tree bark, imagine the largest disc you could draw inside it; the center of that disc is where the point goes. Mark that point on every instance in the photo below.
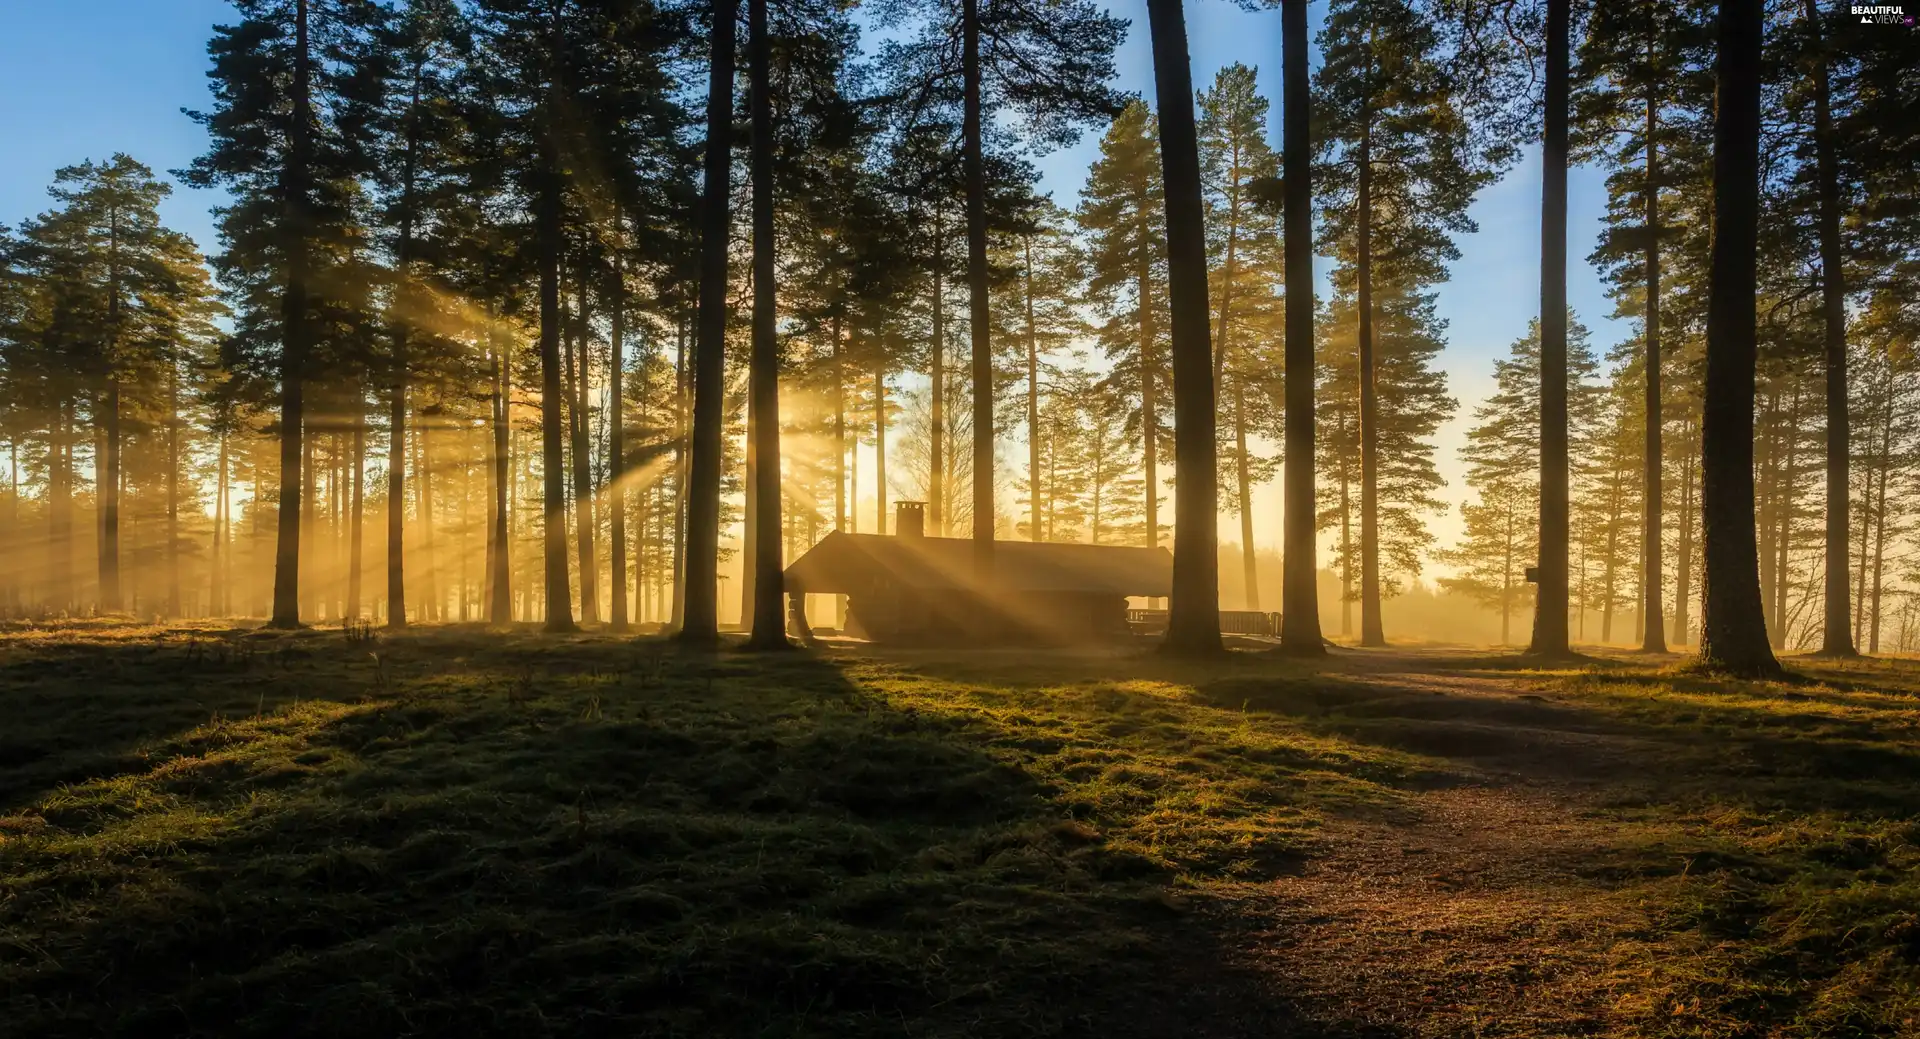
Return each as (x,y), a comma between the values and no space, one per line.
(1033,399)
(1193,622)
(1372,633)
(559,585)
(579,367)
(500,587)
(880,445)
(217,590)
(616,434)
(1244,480)
(1653,473)
(356,535)
(1837,637)
(110,597)
(701,620)
(1550,638)
(937,486)
(1733,636)
(1299,586)
(294,332)
(979,316)
(763,400)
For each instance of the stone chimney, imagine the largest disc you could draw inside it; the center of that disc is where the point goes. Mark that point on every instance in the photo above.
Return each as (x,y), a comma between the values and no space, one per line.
(910,519)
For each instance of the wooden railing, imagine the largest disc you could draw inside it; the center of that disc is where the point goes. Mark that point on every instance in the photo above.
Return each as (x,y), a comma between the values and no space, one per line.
(1232,622)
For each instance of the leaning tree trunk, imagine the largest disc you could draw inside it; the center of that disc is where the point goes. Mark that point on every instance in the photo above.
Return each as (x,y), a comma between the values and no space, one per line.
(1838,639)
(294,333)
(1193,622)
(1733,634)
(1299,591)
(1550,600)
(763,376)
(701,610)
(977,302)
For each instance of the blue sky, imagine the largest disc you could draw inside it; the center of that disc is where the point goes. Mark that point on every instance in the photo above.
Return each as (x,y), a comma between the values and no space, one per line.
(82,79)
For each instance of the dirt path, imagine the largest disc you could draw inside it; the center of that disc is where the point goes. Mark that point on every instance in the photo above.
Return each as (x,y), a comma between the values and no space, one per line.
(1476,908)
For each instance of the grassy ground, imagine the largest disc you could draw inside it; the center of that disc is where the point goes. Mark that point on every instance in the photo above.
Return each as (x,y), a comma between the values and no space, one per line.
(457,831)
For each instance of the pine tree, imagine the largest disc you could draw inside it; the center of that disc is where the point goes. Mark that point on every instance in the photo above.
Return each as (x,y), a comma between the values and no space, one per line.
(1300,603)
(1733,634)
(700,619)
(1638,105)
(1237,165)
(1122,217)
(1401,165)
(1502,460)
(1049,65)
(293,170)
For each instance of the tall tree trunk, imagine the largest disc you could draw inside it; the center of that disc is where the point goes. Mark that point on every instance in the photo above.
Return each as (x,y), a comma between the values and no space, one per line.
(702,619)
(1837,637)
(1244,479)
(1787,496)
(1683,559)
(979,313)
(356,536)
(1193,622)
(1149,396)
(763,378)
(1223,340)
(1653,472)
(173,489)
(1033,398)
(109,487)
(60,591)
(432,602)
(1733,635)
(217,591)
(294,332)
(937,486)
(616,436)
(559,585)
(880,445)
(1551,599)
(1372,632)
(1299,586)
(1506,585)
(1880,521)
(309,503)
(500,586)
(579,367)
(397,400)
(680,459)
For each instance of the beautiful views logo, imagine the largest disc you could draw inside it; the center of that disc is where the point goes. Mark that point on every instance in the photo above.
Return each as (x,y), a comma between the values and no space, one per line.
(1882,14)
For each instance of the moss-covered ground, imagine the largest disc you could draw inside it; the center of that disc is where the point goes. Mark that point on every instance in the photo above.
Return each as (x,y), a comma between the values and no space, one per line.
(455,831)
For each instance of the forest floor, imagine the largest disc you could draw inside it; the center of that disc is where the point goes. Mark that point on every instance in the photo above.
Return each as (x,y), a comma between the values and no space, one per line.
(457,831)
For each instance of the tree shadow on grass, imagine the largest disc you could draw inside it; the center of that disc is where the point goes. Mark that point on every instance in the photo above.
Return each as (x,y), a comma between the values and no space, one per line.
(496,835)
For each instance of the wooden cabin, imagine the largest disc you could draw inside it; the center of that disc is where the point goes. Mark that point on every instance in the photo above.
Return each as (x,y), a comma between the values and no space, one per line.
(913,588)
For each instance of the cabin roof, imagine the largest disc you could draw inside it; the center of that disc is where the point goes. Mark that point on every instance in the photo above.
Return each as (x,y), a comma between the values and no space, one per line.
(853,563)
